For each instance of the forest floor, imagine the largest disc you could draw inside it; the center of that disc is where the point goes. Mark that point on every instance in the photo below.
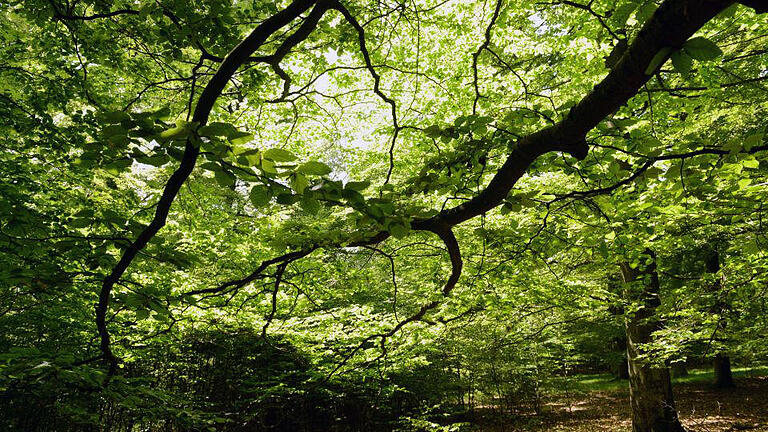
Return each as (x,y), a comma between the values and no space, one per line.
(601,403)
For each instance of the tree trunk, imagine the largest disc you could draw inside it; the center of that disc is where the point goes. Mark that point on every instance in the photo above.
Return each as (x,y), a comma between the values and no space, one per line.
(622,368)
(650,388)
(722,363)
(623,372)
(723,375)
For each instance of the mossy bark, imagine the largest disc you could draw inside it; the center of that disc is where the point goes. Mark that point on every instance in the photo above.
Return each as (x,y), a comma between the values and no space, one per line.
(650,387)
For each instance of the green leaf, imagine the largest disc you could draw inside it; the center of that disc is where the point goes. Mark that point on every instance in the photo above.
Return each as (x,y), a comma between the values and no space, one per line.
(751,163)
(652,172)
(702,48)
(259,195)
(279,155)
(156,161)
(224,178)
(622,13)
(753,140)
(86,213)
(252,157)
(299,183)
(115,167)
(433,131)
(398,230)
(314,168)
(135,300)
(353,197)
(479,128)
(506,208)
(732,146)
(603,250)
(181,131)
(241,138)
(113,117)
(645,11)
(268,166)
(161,114)
(658,60)
(750,247)
(211,166)
(80,223)
(682,62)
(142,314)
(157,307)
(310,204)
(375,211)
(743,183)
(217,129)
(624,165)
(358,186)
(286,198)
(114,130)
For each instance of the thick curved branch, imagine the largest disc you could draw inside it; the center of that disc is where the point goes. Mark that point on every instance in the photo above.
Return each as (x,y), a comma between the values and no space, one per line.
(307,27)
(670,26)
(211,92)
(454,252)
(449,239)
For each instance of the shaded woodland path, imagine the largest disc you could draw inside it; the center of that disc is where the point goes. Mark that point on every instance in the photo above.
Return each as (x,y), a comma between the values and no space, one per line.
(702,408)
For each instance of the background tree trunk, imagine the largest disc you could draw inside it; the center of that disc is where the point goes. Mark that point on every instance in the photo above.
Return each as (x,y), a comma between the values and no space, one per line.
(622,368)
(623,371)
(723,375)
(650,387)
(722,362)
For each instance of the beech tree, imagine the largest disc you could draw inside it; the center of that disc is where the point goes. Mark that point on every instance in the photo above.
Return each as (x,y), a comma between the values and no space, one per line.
(349,177)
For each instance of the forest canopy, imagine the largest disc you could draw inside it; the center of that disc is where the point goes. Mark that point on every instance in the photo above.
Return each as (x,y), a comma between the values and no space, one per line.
(374,214)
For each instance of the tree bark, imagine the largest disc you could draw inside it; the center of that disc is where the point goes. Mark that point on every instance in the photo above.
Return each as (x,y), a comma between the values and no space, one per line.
(650,387)
(211,92)
(722,362)
(723,375)
(623,371)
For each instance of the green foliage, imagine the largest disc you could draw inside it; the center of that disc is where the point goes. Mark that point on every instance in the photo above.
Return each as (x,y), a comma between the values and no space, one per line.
(701,48)
(292,284)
